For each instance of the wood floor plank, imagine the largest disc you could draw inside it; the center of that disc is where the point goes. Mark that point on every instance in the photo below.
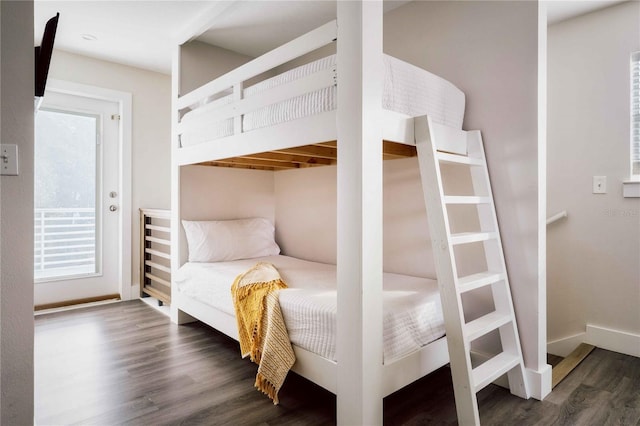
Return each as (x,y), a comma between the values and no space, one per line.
(562,391)
(125,363)
(568,364)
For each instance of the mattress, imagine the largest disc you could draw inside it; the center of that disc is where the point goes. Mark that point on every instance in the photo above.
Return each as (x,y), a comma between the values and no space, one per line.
(412,313)
(408,90)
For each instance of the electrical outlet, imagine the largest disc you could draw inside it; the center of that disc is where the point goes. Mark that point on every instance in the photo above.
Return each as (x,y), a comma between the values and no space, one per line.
(599,184)
(8,160)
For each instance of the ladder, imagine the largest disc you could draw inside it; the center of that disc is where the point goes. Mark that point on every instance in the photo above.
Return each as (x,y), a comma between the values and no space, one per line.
(467,380)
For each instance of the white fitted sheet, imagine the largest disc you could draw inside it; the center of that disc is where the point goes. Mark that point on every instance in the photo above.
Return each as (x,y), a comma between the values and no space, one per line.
(408,90)
(412,313)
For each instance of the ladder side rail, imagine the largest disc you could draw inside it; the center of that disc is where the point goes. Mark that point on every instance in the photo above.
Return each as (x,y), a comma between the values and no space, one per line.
(486,213)
(495,259)
(461,368)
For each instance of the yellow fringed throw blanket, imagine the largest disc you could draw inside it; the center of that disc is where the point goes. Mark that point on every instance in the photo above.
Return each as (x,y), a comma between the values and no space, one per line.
(261,329)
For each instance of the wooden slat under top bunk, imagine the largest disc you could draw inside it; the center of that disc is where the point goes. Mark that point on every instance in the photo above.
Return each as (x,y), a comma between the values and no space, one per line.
(319,154)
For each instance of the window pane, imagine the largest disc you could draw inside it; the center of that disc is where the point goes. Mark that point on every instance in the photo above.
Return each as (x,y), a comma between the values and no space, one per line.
(65,194)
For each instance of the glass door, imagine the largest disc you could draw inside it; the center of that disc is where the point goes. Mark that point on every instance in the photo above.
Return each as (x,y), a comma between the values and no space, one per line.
(77,213)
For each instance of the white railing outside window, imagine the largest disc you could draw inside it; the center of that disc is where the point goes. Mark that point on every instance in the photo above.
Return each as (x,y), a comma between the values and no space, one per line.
(65,242)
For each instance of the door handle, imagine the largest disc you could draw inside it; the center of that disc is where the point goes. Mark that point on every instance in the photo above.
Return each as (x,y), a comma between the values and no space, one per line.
(113,208)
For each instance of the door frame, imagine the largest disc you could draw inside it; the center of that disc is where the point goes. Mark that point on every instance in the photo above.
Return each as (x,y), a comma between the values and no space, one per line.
(124,101)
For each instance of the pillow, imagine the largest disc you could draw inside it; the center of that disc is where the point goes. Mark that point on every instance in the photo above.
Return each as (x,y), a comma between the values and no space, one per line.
(223,240)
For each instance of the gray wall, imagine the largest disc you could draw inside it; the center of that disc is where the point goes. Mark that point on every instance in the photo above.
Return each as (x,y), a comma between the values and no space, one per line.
(16,215)
(593,255)
(490,51)
(201,63)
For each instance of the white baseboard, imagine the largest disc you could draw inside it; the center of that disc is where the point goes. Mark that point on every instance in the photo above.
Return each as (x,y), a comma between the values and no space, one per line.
(563,347)
(613,340)
(601,337)
(135,292)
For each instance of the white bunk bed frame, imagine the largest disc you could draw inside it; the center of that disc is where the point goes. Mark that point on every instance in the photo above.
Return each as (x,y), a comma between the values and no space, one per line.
(321,127)
(359,378)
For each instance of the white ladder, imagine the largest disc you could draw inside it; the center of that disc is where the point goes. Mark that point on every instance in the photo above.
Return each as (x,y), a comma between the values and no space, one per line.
(466,379)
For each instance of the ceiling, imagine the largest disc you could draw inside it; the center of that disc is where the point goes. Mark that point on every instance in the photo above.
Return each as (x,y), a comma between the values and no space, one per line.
(142,33)
(561,10)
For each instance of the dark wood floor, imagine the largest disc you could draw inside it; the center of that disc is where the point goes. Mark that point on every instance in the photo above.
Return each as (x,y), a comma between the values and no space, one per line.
(125,363)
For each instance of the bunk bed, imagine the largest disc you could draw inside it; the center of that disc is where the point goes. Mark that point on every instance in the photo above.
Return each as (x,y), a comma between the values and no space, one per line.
(225,124)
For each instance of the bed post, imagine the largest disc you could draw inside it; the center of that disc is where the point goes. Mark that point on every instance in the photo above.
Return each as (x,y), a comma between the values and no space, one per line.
(359,216)
(175,178)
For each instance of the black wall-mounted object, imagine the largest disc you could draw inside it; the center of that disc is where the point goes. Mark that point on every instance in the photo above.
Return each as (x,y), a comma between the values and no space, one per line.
(43,55)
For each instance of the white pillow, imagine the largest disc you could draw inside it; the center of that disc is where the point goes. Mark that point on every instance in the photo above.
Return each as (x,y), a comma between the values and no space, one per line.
(223,240)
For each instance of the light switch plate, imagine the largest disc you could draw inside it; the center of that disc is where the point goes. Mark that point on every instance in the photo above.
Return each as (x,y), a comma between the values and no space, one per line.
(599,184)
(8,160)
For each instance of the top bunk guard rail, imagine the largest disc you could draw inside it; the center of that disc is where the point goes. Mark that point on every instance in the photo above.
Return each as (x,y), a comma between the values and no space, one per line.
(302,45)
(214,113)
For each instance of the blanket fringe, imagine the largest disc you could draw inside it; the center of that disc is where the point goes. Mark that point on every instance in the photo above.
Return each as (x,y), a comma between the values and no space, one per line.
(267,388)
(261,329)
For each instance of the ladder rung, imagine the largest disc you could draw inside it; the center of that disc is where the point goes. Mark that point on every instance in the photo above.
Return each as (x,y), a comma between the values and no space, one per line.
(485,324)
(471,237)
(493,368)
(462,199)
(472,282)
(445,157)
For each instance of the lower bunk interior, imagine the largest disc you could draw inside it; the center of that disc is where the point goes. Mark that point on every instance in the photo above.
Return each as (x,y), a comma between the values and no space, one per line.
(302,204)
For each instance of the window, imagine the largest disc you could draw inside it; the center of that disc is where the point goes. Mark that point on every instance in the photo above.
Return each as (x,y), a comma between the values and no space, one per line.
(66,162)
(635,115)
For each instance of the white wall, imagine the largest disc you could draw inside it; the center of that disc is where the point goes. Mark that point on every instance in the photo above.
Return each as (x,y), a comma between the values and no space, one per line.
(217,193)
(306,213)
(306,216)
(16,215)
(593,255)
(201,63)
(151,138)
(223,193)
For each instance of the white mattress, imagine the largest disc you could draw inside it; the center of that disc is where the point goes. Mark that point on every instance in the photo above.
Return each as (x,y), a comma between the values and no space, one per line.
(412,310)
(408,90)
